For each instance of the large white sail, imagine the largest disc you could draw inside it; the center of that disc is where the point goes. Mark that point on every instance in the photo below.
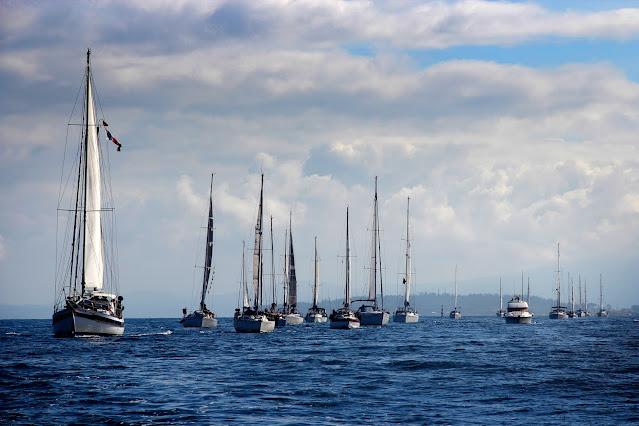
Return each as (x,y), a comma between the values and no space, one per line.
(257,251)
(93,250)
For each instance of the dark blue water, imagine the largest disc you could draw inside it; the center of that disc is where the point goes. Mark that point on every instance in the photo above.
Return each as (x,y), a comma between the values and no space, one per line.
(470,371)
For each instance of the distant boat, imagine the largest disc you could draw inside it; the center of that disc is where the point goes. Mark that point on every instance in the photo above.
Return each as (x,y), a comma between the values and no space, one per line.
(581,312)
(571,313)
(602,312)
(254,319)
(87,300)
(558,312)
(501,312)
(517,310)
(202,317)
(316,314)
(455,313)
(407,313)
(292,315)
(345,318)
(586,300)
(371,313)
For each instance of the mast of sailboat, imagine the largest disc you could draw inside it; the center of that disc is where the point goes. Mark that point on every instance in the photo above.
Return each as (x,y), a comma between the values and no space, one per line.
(501,302)
(257,250)
(408,259)
(558,280)
(209,248)
(245,301)
(455,287)
(285,305)
(585,297)
(316,287)
(292,281)
(86,146)
(372,290)
(347,301)
(272,264)
(528,296)
(580,305)
(600,294)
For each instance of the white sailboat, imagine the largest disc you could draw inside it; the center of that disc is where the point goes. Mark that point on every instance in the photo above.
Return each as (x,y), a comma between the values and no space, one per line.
(254,319)
(407,313)
(371,313)
(274,315)
(558,312)
(315,313)
(345,318)
(455,313)
(292,315)
(501,312)
(602,312)
(87,299)
(586,312)
(581,312)
(202,317)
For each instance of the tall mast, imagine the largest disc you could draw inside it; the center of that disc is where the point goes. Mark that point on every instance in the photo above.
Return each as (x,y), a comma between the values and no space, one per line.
(209,247)
(585,297)
(257,250)
(272,263)
(408,263)
(501,302)
(292,282)
(316,288)
(528,297)
(285,269)
(347,302)
(245,297)
(372,287)
(455,287)
(600,294)
(580,305)
(558,280)
(86,146)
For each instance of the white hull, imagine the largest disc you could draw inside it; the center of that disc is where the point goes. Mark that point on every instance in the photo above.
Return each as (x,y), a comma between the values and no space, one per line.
(196,319)
(406,317)
(455,314)
(344,320)
(518,319)
(78,322)
(253,324)
(558,315)
(294,319)
(602,314)
(316,318)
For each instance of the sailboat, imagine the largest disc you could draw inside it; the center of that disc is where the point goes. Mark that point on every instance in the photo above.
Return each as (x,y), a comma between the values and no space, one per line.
(372,314)
(407,313)
(202,317)
(501,312)
(572,313)
(292,315)
(345,318)
(254,319)
(273,314)
(455,313)
(558,312)
(602,312)
(87,299)
(586,312)
(316,314)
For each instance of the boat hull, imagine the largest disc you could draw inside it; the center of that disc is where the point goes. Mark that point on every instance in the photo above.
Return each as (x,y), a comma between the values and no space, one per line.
(343,320)
(73,321)
(511,319)
(253,324)
(602,314)
(294,319)
(558,315)
(406,317)
(194,320)
(454,315)
(316,318)
(373,317)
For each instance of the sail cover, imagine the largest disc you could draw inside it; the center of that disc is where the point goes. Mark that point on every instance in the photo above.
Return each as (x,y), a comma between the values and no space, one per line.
(93,255)
(257,251)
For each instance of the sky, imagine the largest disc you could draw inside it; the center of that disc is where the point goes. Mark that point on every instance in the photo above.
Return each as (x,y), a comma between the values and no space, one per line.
(512,126)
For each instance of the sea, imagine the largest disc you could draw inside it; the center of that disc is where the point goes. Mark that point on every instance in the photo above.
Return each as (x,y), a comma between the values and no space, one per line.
(475,370)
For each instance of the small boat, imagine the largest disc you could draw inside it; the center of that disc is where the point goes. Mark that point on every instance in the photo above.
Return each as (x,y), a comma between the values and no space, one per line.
(345,318)
(407,313)
(316,314)
(370,313)
(501,312)
(455,313)
(202,317)
(273,314)
(602,312)
(253,319)
(518,312)
(581,312)
(558,312)
(87,299)
(571,313)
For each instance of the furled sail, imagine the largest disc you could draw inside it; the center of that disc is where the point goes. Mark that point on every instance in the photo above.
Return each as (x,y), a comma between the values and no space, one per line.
(209,249)
(372,288)
(292,279)
(257,251)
